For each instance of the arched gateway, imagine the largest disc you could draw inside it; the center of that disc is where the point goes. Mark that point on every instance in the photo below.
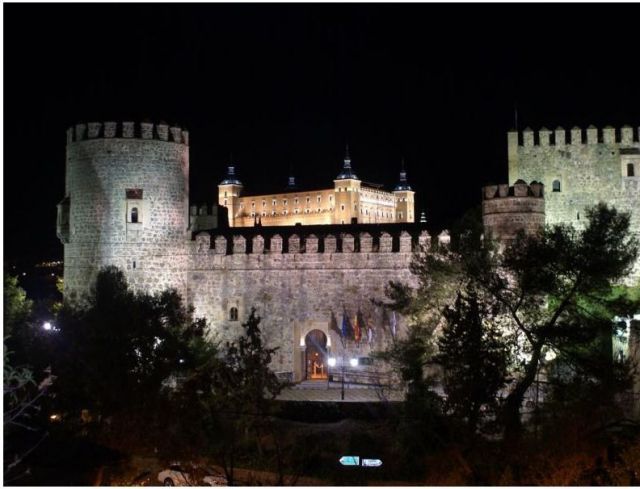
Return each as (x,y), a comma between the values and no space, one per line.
(315,360)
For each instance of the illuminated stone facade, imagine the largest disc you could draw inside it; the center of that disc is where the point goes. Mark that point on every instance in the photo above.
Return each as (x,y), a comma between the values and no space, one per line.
(126,204)
(349,201)
(580,169)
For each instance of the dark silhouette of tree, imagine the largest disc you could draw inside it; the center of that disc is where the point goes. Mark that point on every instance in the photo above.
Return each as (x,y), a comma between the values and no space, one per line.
(242,388)
(23,390)
(553,291)
(474,357)
(123,349)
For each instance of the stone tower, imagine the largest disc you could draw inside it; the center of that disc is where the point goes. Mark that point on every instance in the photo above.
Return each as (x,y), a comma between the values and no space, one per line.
(347,191)
(580,168)
(228,192)
(507,210)
(404,198)
(126,204)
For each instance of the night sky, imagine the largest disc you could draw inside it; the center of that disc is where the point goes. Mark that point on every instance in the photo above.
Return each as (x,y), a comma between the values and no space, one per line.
(283,86)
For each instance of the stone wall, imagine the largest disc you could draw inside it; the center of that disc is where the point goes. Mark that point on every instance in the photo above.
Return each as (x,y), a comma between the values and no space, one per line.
(590,165)
(127,191)
(299,290)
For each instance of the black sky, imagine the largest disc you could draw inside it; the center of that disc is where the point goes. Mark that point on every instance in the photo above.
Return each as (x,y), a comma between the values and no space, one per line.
(289,85)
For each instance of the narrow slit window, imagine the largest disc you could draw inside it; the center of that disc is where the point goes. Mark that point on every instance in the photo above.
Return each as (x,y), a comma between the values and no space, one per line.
(556,186)
(134,214)
(630,170)
(233,314)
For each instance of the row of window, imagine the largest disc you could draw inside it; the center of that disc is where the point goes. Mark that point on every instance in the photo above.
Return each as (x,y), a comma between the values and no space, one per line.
(286,212)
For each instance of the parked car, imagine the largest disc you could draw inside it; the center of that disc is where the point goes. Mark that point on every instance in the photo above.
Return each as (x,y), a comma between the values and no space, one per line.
(178,475)
(175,475)
(213,478)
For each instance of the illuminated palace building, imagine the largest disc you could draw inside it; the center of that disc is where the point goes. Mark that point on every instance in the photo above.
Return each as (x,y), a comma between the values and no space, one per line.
(349,201)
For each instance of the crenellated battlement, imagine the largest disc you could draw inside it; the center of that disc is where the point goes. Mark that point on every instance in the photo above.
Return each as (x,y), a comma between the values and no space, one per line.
(506,209)
(576,136)
(518,189)
(127,130)
(298,242)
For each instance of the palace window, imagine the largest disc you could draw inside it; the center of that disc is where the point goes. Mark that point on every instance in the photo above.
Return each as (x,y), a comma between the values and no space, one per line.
(134,214)
(253,205)
(555,186)
(296,201)
(264,203)
(342,207)
(233,314)
(630,170)
(319,199)
(273,202)
(284,202)
(308,200)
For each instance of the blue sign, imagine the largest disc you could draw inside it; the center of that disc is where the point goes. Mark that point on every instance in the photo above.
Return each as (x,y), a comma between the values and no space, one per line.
(350,460)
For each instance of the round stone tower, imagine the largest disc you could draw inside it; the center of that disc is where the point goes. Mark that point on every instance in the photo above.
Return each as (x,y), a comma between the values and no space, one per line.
(126,204)
(507,210)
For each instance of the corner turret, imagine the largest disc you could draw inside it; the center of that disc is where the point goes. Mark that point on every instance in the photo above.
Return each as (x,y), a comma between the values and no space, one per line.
(404,198)
(228,192)
(347,194)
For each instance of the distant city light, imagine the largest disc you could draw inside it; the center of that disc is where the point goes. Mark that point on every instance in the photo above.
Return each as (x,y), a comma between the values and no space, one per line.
(353,362)
(332,362)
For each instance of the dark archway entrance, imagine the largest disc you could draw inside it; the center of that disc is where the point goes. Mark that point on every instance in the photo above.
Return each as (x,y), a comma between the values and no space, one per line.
(315,355)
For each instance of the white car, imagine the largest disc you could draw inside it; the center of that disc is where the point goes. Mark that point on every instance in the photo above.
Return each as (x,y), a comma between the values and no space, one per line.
(176,475)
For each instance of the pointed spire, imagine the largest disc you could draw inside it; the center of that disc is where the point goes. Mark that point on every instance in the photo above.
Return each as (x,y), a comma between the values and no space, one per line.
(402,184)
(347,172)
(291,185)
(230,178)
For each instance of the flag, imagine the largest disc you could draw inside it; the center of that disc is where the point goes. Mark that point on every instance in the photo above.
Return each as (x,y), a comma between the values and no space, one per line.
(333,324)
(347,329)
(393,324)
(357,331)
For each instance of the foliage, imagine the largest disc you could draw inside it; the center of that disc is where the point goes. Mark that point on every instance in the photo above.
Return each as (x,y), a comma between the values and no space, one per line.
(17,307)
(241,393)
(474,357)
(557,292)
(554,293)
(122,348)
(23,392)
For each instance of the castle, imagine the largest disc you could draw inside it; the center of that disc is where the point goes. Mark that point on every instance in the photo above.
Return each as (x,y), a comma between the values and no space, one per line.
(568,172)
(127,204)
(350,200)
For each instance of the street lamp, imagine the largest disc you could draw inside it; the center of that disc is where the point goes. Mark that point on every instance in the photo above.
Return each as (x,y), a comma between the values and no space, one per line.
(47,326)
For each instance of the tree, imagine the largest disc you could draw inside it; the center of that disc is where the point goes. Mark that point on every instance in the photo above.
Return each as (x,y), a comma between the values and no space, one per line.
(17,307)
(556,291)
(242,387)
(550,292)
(474,356)
(120,350)
(23,392)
